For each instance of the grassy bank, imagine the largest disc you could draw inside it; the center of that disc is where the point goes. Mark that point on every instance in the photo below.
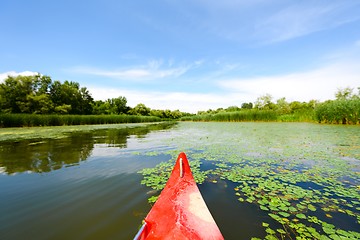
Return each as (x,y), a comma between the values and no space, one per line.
(32,120)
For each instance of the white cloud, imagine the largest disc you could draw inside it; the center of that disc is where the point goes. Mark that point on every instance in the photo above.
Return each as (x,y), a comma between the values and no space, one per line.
(128,74)
(4,75)
(320,84)
(341,69)
(186,102)
(152,70)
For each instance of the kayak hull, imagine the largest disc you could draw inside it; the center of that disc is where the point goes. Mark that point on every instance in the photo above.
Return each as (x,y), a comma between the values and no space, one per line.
(180,211)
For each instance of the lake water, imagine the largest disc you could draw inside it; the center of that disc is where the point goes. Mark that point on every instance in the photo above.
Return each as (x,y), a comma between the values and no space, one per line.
(87,185)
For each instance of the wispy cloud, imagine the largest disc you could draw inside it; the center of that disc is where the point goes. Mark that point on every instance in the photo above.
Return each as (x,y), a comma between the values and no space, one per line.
(271,21)
(152,70)
(303,18)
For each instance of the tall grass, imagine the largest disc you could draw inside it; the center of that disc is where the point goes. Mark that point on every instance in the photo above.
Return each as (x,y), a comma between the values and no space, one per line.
(305,115)
(32,120)
(238,116)
(339,111)
(250,115)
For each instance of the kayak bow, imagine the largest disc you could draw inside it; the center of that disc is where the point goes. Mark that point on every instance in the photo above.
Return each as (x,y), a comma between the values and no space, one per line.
(180,211)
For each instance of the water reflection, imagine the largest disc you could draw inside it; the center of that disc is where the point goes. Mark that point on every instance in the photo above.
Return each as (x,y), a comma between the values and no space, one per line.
(52,154)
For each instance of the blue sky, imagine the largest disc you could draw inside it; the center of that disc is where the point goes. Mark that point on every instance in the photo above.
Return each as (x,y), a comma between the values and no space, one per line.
(187,55)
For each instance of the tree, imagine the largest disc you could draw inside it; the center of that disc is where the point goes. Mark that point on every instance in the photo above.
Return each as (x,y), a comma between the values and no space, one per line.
(42,84)
(111,106)
(295,105)
(283,106)
(176,114)
(312,104)
(99,107)
(141,110)
(59,96)
(232,109)
(264,102)
(14,93)
(70,94)
(40,103)
(86,100)
(118,105)
(38,94)
(344,93)
(157,113)
(247,105)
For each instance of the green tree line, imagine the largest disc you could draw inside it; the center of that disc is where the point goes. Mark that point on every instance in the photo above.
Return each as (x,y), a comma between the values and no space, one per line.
(39,94)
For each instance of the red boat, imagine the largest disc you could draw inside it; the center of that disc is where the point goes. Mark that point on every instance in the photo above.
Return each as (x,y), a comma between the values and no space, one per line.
(180,211)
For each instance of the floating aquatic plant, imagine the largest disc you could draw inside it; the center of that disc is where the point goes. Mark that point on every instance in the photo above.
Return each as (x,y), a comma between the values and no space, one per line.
(295,173)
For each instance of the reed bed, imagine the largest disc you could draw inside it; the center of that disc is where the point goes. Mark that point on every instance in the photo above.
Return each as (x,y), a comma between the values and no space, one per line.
(339,111)
(306,115)
(254,115)
(238,116)
(32,120)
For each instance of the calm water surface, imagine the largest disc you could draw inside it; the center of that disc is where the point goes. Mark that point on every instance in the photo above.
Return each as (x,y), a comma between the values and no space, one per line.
(87,185)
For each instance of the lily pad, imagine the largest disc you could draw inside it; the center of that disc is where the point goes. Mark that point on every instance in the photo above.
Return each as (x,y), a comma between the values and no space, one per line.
(301,216)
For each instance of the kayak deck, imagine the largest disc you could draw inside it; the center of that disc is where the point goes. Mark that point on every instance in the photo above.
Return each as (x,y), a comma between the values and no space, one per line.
(180,211)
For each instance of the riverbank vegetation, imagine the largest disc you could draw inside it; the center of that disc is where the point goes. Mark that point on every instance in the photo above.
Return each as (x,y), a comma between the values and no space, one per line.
(32,120)
(345,109)
(39,101)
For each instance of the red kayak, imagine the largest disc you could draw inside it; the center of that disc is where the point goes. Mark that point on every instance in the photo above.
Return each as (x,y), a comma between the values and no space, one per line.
(180,211)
